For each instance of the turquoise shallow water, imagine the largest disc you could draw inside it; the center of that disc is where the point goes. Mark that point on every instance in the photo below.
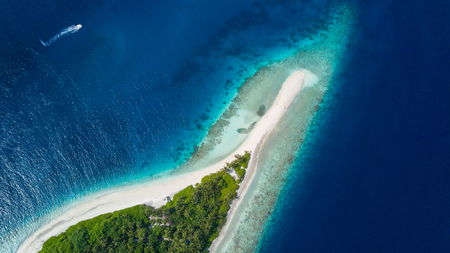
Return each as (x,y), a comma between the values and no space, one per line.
(125,97)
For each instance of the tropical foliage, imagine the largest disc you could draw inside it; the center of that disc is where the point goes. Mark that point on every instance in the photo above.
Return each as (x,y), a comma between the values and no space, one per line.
(188,223)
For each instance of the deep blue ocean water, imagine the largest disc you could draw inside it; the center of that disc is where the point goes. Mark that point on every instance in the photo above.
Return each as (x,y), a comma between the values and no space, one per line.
(377,177)
(135,89)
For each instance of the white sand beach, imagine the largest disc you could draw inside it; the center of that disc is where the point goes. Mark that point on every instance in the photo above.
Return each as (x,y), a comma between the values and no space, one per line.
(156,192)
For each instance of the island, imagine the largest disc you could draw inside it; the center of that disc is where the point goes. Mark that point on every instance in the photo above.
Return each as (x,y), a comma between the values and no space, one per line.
(187,223)
(70,230)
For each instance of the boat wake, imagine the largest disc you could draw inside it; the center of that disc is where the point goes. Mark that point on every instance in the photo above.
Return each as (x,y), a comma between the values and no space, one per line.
(66,31)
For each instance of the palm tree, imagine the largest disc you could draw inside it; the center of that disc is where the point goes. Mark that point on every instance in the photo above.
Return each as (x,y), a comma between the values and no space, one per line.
(187,213)
(208,225)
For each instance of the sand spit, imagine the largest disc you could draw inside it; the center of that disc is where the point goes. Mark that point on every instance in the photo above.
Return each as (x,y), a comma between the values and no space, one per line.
(158,190)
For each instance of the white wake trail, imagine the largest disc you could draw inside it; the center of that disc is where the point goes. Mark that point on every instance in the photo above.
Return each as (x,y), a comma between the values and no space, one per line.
(66,31)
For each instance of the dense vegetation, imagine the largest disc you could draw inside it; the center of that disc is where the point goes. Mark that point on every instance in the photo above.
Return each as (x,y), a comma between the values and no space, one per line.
(188,223)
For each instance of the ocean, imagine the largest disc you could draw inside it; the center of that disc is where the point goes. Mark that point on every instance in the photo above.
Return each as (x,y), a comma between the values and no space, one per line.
(137,87)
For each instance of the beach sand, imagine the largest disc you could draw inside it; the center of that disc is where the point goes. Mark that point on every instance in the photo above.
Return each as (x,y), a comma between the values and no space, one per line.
(156,192)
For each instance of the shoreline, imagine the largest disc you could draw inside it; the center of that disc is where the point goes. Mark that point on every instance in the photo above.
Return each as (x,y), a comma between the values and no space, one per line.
(158,190)
(236,203)
(218,245)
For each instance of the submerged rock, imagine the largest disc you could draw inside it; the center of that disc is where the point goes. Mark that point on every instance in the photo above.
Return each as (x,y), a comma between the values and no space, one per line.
(250,128)
(242,131)
(247,130)
(261,111)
